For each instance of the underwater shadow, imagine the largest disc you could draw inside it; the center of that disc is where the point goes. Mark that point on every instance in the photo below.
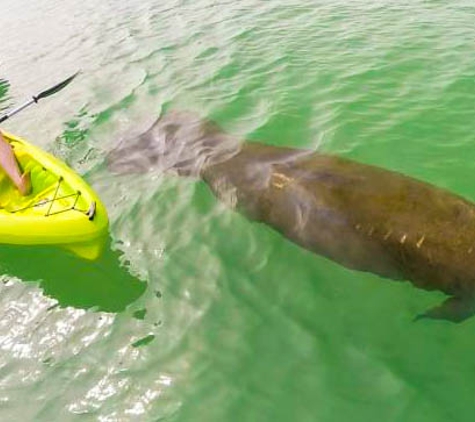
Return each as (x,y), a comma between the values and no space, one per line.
(104,285)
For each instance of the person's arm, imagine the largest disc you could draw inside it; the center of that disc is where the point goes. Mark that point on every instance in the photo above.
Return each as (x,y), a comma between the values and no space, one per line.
(10,165)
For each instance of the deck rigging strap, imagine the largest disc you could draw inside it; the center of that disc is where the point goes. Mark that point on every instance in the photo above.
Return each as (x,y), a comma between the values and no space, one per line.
(77,194)
(54,196)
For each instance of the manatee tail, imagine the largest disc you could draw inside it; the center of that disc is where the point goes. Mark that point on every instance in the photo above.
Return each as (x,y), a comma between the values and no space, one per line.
(178,141)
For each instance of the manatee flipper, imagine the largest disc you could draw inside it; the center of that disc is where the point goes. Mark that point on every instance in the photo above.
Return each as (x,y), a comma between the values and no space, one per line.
(454,309)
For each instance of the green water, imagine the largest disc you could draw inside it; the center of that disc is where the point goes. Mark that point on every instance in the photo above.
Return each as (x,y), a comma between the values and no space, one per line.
(195,313)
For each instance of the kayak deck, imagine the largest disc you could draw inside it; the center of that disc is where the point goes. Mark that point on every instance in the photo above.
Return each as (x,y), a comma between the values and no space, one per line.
(61,208)
(50,194)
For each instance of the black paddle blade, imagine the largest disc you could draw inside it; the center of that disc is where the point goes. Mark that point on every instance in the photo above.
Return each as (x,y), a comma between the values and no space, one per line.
(55,88)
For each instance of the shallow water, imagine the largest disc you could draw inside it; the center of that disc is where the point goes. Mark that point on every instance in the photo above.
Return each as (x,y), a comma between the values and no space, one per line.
(195,313)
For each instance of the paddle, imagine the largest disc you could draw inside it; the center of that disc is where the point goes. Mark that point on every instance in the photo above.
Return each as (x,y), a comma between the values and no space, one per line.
(41,95)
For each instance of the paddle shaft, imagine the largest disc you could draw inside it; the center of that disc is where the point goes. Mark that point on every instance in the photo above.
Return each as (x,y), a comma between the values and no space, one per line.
(18,109)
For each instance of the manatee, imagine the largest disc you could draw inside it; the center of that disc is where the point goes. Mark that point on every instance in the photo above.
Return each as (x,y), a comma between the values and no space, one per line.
(361,216)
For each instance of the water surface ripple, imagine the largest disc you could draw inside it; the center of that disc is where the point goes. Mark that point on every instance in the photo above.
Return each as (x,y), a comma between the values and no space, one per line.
(197,314)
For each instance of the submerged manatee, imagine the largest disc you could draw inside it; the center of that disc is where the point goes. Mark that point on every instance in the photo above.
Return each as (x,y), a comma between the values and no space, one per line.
(361,216)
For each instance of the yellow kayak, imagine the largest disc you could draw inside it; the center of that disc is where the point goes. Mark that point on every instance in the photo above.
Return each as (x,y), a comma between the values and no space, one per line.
(61,208)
